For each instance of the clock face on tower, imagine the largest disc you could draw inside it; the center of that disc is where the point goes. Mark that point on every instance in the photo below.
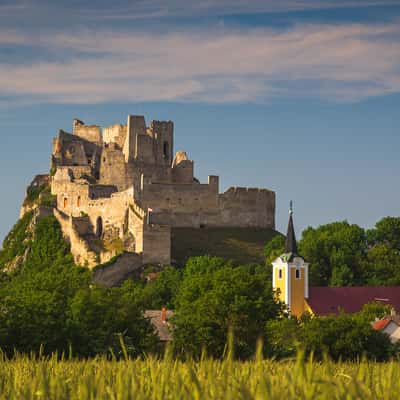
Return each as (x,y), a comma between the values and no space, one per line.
(298,262)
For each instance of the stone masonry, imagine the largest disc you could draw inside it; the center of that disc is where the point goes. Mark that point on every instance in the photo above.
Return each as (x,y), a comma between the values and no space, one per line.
(122,189)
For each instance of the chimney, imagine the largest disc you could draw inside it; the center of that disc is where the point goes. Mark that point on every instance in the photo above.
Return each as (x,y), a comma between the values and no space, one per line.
(163,315)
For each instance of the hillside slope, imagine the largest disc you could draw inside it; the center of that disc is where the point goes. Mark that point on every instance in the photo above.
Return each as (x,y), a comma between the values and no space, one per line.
(242,245)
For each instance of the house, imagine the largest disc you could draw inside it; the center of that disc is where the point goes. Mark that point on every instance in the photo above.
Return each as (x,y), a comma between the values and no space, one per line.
(290,276)
(389,325)
(160,321)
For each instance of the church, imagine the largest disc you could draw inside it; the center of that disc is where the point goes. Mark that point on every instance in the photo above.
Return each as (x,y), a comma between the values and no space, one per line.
(290,274)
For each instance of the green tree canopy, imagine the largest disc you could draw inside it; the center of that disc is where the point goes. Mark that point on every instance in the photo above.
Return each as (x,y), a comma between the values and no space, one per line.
(382,265)
(335,252)
(274,249)
(387,232)
(52,303)
(158,292)
(344,336)
(215,297)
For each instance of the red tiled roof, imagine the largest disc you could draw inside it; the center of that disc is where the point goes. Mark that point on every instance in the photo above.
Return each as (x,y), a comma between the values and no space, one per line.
(329,300)
(381,324)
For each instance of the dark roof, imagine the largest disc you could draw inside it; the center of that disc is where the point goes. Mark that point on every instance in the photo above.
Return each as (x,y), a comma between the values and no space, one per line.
(330,300)
(163,329)
(290,244)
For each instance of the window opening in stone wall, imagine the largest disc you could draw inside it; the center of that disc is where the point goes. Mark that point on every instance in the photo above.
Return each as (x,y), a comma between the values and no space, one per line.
(297,273)
(99,227)
(280,274)
(78,202)
(65,202)
(165,149)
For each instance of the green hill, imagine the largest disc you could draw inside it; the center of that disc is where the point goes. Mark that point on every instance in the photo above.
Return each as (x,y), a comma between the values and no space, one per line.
(243,245)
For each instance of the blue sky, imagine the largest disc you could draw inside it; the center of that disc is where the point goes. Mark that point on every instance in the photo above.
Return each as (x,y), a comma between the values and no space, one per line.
(301,97)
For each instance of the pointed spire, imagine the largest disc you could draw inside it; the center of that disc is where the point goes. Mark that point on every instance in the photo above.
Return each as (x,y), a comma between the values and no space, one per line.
(290,244)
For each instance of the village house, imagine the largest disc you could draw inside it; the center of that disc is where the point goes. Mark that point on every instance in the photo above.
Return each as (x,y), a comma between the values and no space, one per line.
(389,325)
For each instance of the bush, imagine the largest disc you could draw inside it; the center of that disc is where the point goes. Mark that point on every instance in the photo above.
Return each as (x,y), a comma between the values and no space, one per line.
(52,303)
(342,337)
(17,241)
(215,297)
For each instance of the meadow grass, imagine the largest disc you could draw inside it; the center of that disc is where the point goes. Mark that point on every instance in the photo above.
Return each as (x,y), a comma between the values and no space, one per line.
(25,377)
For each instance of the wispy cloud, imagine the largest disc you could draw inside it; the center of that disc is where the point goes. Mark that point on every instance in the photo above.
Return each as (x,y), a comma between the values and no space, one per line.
(338,62)
(159,8)
(144,9)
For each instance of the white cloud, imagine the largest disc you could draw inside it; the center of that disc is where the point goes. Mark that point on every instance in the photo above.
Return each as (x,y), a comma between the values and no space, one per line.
(340,62)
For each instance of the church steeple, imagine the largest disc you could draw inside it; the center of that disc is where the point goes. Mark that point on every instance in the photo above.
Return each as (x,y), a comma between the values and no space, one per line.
(290,243)
(290,273)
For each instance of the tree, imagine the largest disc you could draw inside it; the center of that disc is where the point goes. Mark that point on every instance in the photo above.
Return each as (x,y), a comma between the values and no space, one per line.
(215,298)
(52,303)
(345,337)
(48,248)
(16,242)
(386,231)
(274,249)
(342,275)
(382,265)
(282,337)
(34,308)
(158,292)
(98,318)
(336,253)
(374,310)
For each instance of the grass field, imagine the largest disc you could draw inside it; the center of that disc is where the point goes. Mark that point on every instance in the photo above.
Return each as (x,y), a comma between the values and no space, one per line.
(24,378)
(243,245)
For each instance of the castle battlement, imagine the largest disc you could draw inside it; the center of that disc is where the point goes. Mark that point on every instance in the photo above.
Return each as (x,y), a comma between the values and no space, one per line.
(125,184)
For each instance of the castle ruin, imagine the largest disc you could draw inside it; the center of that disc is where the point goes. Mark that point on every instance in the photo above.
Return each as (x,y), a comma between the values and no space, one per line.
(121,189)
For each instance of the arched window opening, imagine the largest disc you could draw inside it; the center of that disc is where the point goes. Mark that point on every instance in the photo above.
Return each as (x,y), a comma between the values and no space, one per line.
(99,227)
(166,149)
(78,202)
(65,202)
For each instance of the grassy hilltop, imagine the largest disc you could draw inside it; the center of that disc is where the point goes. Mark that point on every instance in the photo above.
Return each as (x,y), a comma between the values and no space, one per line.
(242,245)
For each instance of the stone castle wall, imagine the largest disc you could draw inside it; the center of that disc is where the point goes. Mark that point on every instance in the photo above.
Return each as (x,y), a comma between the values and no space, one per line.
(115,134)
(123,182)
(250,207)
(194,205)
(91,133)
